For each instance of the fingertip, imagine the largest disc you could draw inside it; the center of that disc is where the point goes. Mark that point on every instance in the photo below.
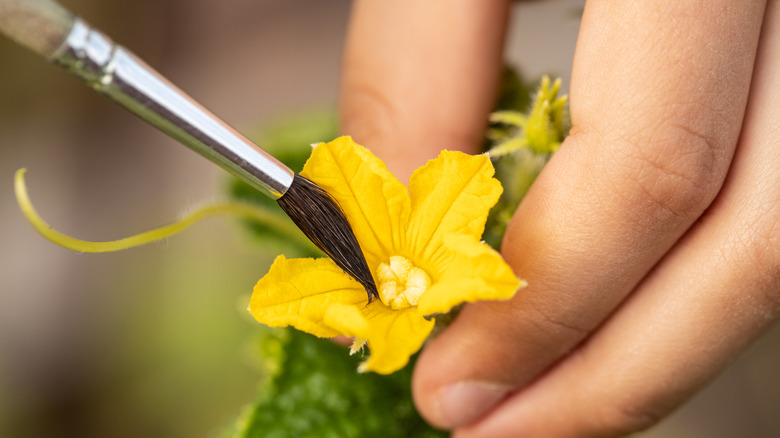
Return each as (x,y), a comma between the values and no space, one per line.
(452,383)
(425,387)
(458,403)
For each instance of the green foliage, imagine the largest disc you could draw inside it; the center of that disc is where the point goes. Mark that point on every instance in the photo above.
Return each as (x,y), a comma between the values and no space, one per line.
(541,128)
(515,92)
(289,140)
(314,390)
(520,142)
(311,387)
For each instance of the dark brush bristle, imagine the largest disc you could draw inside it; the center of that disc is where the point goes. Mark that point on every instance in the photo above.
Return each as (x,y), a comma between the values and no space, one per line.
(322,221)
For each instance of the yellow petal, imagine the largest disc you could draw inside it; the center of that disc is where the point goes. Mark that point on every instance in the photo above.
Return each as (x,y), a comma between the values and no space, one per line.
(476,272)
(375,202)
(451,194)
(297,292)
(393,335)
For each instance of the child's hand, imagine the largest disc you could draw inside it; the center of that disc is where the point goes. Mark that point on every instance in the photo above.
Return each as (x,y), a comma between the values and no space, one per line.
(650,242)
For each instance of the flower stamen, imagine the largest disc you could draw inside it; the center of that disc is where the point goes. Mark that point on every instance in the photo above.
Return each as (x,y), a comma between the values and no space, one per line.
(401,283)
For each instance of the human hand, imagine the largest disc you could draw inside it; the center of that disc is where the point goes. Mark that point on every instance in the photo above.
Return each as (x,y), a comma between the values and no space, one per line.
(650,240)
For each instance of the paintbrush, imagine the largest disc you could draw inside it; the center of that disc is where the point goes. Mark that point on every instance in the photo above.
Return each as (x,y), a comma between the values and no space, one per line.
(50,30)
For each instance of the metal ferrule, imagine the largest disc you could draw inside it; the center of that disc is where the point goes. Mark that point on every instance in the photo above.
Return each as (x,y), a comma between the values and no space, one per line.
(125,79)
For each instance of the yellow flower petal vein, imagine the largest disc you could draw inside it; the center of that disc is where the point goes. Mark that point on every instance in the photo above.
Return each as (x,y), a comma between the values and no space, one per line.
(452,193)
(376,203)
(298,292)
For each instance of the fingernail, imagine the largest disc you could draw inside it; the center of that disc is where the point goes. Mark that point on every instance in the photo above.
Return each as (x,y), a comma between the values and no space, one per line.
(464,402)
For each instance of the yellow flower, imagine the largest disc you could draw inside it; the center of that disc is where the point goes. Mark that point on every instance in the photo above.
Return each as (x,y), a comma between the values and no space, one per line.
(422,245)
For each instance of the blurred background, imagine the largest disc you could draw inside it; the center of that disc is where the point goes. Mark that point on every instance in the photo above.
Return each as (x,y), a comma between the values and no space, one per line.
(155,341)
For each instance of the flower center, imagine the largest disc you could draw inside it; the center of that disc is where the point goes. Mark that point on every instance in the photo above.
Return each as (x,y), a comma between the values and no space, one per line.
(400,283)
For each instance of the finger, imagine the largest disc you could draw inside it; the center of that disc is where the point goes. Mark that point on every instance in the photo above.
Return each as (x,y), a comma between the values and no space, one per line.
(708,299)
(657,100)
(420,77)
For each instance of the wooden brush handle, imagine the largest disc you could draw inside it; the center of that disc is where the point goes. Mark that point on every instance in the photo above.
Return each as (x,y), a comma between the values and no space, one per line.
(39,25)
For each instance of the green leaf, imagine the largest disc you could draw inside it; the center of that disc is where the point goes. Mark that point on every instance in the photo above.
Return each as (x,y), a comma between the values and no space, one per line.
(314,390)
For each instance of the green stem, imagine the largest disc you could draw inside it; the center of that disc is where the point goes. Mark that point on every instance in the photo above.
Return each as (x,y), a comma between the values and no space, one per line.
(239,209)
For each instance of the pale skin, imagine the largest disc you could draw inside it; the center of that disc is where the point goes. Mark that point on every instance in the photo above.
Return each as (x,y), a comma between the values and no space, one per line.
(650,242)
